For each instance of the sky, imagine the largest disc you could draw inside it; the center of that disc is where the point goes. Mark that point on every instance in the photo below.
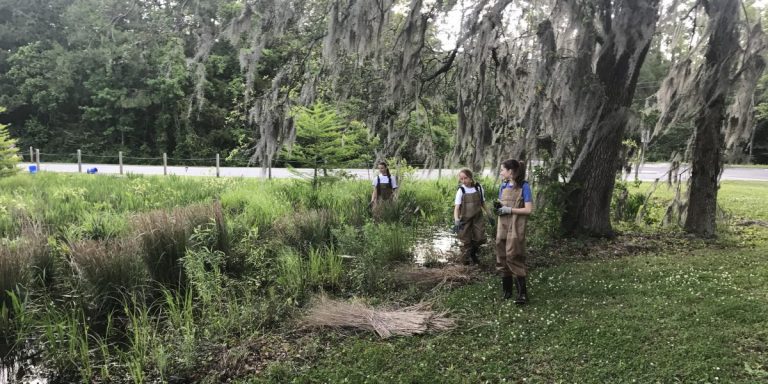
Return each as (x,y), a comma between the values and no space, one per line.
(448,25)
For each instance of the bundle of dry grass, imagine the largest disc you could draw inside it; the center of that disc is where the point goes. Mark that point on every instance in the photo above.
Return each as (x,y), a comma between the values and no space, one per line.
(436,277)
(407,321)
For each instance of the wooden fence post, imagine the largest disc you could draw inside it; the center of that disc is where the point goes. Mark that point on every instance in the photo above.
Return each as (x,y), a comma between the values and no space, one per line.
(217,165)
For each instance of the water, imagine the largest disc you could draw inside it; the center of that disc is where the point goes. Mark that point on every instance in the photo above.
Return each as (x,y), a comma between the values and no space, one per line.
(20,371)
(439,246)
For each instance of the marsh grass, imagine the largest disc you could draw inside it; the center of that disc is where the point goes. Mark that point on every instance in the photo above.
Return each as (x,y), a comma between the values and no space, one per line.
(165,236)
(108,270)
(305,228)
(24,260)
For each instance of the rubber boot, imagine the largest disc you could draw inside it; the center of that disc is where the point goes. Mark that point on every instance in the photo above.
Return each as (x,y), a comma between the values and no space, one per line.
(522,291)
(507,283)
(473,255)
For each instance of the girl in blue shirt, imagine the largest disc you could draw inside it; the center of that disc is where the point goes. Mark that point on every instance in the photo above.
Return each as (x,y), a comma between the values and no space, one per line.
(516,204)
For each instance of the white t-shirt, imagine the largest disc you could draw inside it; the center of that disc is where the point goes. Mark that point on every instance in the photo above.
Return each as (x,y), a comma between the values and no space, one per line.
(467,190)
(384,180)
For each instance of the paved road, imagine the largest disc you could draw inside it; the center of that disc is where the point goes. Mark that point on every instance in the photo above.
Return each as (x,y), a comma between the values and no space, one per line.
(648,172)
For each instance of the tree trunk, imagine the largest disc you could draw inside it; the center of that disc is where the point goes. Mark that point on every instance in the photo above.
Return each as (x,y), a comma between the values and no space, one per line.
(702,190)
(714,82)
(629,27)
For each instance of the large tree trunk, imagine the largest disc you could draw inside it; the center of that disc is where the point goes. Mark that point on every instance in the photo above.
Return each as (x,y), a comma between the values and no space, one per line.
(628,28)
(714,82)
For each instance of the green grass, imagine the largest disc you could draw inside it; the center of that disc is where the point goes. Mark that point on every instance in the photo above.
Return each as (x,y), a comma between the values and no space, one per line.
(698,317)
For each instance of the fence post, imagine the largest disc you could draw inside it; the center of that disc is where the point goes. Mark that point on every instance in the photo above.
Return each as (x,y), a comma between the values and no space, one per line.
(37,153)
(217,165)
(165,164)
(31,155)
(79,161)
(120,160)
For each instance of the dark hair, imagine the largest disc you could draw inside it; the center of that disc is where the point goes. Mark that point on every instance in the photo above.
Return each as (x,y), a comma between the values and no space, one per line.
(469,174)
(384,163)
(518,168)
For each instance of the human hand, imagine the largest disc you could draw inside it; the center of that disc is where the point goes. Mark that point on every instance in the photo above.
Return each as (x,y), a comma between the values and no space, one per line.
(504,211)
(457,226)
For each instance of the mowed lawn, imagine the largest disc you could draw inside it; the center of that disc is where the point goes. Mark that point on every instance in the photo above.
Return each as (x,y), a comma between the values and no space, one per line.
(692,314)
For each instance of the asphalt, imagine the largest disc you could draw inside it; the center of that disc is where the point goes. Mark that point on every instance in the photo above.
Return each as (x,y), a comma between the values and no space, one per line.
(648,172)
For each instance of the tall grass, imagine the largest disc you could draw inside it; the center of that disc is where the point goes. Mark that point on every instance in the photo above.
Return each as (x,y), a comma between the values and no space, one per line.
(23,259)
(256,205)
(304,229)
(109,270)
(181,326)
(165,236)
(60,200)
(291,272)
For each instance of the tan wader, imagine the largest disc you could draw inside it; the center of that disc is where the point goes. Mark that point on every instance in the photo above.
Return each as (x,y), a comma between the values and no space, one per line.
(472,232)
(510,236)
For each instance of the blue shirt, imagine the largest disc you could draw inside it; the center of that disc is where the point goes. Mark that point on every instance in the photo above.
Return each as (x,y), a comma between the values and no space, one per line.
(527,195)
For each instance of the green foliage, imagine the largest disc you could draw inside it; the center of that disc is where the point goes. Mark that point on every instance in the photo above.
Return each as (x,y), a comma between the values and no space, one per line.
(625,205)
(9,156)
(544,224)
(385,244)
(675,139)
(325,140)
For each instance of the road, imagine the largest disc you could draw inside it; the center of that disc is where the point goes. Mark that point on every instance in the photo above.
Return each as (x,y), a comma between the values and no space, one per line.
(648,172)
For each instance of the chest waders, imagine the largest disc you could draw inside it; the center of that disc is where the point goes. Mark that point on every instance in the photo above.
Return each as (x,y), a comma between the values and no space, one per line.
(472,232)
(384,195)
(384,191)
(510,246)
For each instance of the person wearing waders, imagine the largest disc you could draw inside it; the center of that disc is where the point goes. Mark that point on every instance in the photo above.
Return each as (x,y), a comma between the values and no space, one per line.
(384,187)
(469,226)
(514,206)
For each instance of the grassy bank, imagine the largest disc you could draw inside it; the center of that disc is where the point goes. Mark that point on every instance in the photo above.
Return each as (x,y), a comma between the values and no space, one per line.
(683,311)
(697,317)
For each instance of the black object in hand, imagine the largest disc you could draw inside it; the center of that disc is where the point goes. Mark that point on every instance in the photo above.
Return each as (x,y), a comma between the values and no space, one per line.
(496,205)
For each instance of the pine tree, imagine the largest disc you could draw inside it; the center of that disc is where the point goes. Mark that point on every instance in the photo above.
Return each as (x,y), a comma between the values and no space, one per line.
(9,154)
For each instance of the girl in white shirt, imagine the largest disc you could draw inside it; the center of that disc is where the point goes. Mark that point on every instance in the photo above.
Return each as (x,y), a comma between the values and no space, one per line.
(469,225)
(384,186)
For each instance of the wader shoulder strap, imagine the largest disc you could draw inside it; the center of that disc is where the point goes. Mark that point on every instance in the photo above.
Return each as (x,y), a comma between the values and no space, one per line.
(481,192)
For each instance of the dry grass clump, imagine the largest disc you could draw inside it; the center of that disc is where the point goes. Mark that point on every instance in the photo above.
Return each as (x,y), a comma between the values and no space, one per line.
(407,321)
(435,277)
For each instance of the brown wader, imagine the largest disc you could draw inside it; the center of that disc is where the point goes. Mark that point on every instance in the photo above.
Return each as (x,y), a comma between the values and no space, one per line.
(472,232)
(384,195)
(510,245)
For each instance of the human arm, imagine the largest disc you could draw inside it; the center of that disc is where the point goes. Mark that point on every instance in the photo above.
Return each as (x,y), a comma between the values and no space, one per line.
(525,211)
